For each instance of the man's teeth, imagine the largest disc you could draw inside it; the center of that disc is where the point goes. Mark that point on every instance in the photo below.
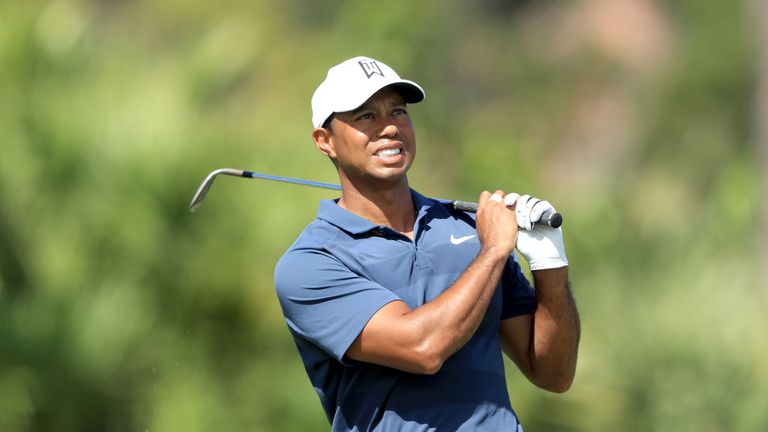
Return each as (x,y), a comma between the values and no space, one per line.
(388,152)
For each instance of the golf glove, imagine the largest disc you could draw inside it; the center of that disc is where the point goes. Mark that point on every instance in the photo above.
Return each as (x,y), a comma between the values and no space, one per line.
(541,245)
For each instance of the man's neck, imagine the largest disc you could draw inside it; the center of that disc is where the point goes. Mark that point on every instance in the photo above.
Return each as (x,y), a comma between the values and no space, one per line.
(385,205)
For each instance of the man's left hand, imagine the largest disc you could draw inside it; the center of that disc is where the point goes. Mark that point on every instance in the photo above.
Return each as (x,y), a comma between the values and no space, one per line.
(540,245)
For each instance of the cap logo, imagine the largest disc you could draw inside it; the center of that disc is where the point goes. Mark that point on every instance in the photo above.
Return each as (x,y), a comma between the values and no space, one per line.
(371,68)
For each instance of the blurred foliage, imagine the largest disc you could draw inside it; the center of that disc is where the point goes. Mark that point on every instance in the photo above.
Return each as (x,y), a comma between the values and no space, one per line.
(121,311)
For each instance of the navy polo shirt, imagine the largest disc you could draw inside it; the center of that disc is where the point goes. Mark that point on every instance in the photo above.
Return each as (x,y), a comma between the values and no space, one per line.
(342,269)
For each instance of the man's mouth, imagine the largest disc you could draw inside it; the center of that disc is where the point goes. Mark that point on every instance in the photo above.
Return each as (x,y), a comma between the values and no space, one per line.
(388,152)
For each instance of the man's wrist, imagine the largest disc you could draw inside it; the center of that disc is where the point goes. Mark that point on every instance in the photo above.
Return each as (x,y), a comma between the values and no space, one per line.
(551,277)
(495,253)
(543,264)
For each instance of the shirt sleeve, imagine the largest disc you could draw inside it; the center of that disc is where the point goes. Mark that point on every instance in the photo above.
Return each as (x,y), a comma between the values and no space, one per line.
(324,302)
(518,296)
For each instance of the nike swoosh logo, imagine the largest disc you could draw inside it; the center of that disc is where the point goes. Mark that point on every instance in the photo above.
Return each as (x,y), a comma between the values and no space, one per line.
(460,240)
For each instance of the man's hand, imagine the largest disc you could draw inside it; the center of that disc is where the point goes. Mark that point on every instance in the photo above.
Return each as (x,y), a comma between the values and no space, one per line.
(497,226)
(527,208)
(541,245)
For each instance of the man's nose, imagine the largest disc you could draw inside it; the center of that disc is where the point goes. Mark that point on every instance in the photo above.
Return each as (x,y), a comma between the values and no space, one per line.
(389,129)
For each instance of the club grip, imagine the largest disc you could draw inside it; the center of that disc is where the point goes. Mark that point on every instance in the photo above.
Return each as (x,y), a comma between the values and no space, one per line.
(550,218)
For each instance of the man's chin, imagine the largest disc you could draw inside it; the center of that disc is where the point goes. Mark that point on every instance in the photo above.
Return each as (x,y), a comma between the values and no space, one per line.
(398,168)
(394,173)
(385,179)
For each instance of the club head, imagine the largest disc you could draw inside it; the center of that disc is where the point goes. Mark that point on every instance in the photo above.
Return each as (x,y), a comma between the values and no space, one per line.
(207,183)
(200,194)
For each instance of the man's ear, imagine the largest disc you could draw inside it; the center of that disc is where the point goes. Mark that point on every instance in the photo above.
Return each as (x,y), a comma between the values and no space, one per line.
(324,142)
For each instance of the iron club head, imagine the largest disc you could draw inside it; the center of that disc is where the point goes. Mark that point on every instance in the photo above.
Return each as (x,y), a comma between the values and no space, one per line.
(206,184)
(202,190)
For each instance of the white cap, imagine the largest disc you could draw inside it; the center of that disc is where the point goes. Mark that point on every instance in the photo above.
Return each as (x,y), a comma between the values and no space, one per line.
(349,84)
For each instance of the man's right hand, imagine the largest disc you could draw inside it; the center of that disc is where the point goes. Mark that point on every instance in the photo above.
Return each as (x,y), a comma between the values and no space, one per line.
(496,223)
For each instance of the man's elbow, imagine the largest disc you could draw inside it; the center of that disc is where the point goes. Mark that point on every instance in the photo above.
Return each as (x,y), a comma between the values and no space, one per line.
(559,383)
(427,367)
(561,386)
(428,363)
(428,359)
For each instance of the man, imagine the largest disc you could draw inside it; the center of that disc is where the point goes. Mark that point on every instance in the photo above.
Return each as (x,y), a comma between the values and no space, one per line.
(401,306)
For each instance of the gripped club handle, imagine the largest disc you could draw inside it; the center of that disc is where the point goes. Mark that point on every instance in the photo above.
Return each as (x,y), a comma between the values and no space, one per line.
(550,218)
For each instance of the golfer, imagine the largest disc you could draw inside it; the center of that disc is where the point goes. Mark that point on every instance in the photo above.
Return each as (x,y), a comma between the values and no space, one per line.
(400,306)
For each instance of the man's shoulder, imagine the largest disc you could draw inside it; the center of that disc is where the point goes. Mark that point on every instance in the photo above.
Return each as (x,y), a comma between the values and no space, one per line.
(314,236)
(308,248)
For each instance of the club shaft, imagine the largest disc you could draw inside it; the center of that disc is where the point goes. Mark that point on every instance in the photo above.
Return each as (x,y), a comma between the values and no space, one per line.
(552,219)
(255,175)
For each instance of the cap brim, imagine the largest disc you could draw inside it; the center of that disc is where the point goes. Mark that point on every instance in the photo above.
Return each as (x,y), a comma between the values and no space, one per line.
(410,91)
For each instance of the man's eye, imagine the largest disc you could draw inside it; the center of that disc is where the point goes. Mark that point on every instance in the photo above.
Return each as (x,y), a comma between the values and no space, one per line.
(399,111)
(366,116)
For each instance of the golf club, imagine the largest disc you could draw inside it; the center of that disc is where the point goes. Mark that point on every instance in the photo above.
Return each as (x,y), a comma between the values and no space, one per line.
(552,219)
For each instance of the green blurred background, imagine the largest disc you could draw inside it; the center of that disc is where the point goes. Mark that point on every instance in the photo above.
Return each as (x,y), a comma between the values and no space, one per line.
(122,311)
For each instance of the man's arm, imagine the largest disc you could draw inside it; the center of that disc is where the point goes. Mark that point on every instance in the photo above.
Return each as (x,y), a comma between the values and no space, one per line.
(545,345)
(420,340)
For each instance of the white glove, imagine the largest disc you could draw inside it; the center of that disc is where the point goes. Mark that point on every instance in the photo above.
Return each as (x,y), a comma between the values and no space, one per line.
(528,210)
(541,245)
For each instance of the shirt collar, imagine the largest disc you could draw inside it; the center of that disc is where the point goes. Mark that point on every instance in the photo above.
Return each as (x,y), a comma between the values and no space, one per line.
(332,213)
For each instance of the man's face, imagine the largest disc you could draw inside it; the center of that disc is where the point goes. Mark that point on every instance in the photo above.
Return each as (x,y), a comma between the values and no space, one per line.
(374,142)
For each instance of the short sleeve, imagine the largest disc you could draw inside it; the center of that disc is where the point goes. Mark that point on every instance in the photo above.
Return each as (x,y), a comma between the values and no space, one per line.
(324,302)
(518,296)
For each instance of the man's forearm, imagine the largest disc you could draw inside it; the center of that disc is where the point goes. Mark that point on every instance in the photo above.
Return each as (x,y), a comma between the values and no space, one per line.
(420,340)
(556,331)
